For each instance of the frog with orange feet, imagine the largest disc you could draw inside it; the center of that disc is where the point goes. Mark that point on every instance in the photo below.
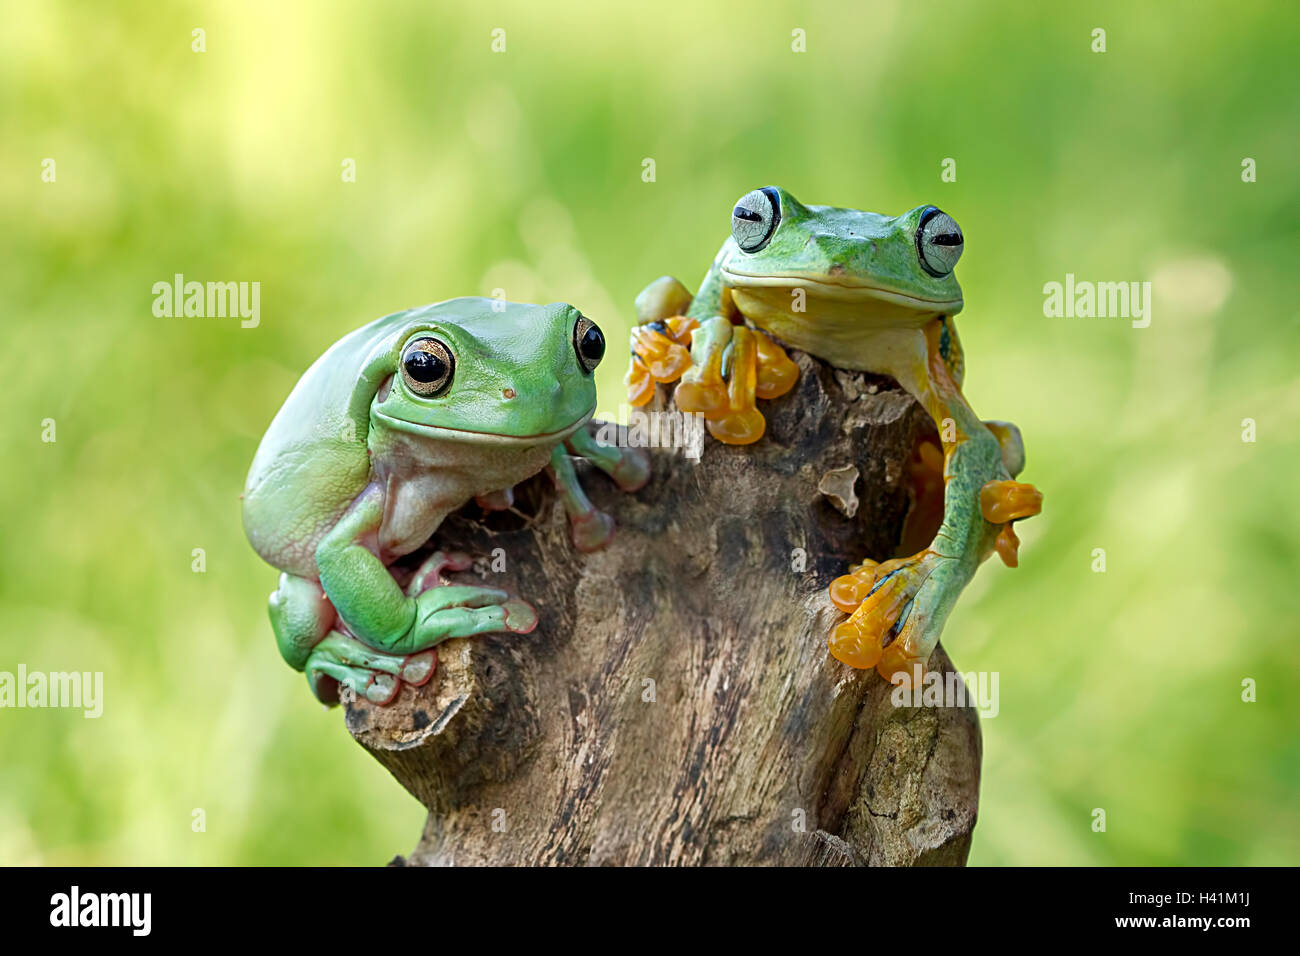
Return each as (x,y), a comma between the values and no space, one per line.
(866,292)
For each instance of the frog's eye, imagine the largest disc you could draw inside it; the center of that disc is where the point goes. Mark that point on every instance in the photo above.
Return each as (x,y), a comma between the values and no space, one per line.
(427,366)
(938,242)
(755,218)
(589,343)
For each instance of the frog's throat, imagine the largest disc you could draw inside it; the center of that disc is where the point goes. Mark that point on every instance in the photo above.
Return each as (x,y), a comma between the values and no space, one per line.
(826,287)
(483,438)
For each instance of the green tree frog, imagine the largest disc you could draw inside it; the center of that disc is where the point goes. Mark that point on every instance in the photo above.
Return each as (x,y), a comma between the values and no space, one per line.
(396,426)
(862,291)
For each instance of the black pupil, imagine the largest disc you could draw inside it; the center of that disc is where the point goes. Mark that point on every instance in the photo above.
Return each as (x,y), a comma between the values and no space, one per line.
(592,345)
(425,366)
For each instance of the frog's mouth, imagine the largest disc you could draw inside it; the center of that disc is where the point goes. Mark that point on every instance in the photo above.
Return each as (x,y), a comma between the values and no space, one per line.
(842,290)
(444,433)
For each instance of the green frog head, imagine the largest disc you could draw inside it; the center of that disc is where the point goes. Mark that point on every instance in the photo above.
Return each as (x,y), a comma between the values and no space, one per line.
(500,373)
(858,270)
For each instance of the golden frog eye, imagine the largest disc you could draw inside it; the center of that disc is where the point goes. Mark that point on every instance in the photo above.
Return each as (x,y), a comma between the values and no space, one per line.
(427,367)
(589,343)
(755,218)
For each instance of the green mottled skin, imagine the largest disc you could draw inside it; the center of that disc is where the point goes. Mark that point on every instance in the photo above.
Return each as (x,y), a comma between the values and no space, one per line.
(867,305)
(357,470)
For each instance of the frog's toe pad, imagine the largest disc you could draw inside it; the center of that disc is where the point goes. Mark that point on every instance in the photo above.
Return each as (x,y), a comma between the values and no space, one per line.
(1007,546)
(1003,501)
(704,398)
(417,669)
(382,688)
(640,386)
(519,616)
(633,469)
(850,590)
(776,373)
(854,645)
(670,367)
(591,531)
(741,427)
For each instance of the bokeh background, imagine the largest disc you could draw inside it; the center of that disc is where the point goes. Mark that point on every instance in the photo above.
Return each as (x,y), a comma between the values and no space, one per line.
(522,170)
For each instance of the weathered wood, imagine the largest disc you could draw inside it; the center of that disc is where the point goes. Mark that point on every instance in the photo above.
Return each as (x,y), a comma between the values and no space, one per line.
(677,704)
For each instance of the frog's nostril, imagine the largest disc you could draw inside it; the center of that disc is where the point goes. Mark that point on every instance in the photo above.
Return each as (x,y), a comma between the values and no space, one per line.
(507,393)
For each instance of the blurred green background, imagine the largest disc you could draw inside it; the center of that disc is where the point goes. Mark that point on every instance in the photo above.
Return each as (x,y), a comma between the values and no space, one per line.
(522,170)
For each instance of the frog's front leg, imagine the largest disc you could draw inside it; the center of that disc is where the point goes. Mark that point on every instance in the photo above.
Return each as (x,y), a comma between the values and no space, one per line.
(926,472)
(703,388)
(733,366)
(898,607)
(728,366)
(590,527)
(629,467)
(380,617)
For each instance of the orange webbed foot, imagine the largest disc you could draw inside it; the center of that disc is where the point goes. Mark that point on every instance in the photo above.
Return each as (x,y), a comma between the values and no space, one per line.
(849,590)
(640,384)
(1003,501)
(892,613)
(776,373)
(703,390)
(663,356)
(739,422)
(660,353)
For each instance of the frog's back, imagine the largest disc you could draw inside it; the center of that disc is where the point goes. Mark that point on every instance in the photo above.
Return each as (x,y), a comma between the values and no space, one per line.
(312,461)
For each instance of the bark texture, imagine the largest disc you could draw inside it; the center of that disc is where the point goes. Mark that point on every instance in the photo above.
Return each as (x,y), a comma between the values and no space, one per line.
(677,704)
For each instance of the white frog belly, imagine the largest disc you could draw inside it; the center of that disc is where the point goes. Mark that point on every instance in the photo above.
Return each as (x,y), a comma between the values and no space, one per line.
(426,481)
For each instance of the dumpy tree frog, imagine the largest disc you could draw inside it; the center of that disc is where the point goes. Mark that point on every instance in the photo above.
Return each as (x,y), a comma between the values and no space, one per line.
(396,426)
(862,291)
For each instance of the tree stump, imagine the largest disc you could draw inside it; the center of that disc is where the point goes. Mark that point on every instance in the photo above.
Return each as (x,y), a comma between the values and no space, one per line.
(677,704)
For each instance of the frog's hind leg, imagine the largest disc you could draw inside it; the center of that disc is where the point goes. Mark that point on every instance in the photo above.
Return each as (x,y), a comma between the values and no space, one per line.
(898,608)
(727,367)
(1004,502)
(372,674)
(925,471)
(732,365)
(1013,446)
(301,616)
(306,632)
(703,388)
